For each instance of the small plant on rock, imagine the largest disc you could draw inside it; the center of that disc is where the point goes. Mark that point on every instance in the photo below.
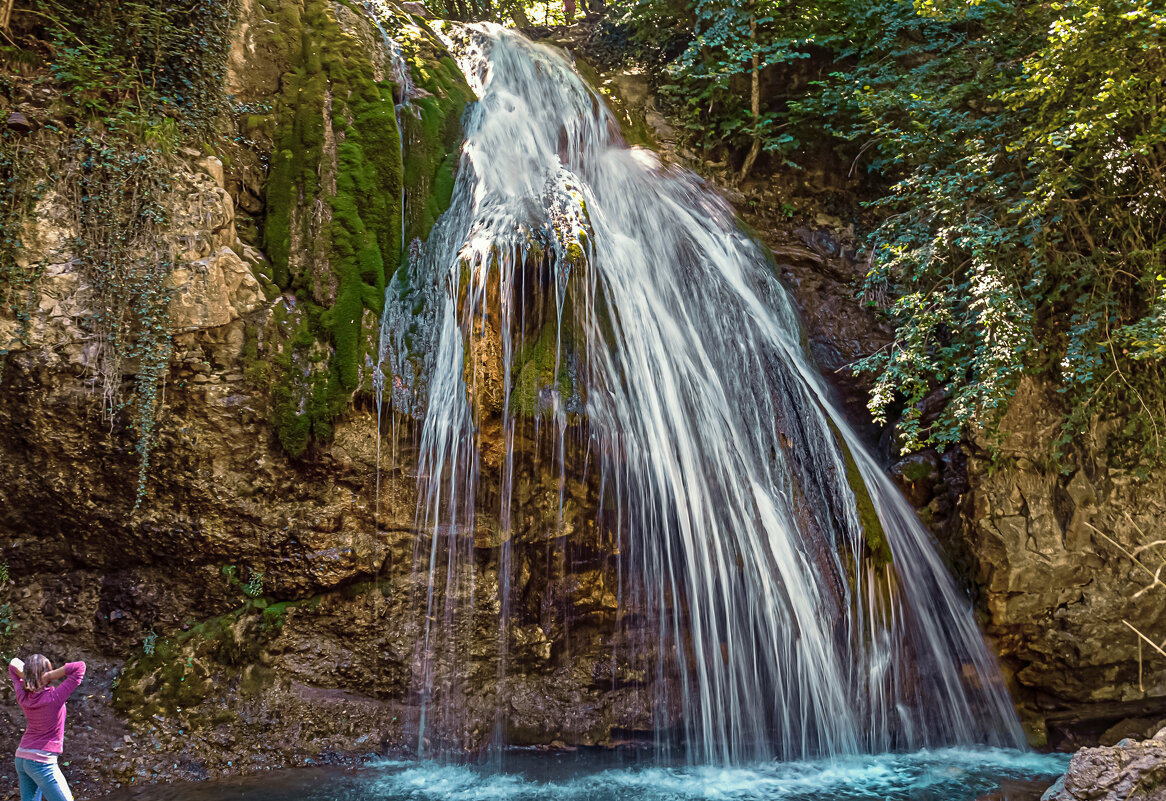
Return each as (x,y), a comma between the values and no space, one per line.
(254,586)
(7,627)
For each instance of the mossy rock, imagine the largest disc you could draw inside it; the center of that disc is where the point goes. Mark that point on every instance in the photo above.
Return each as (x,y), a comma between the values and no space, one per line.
(874,535)
(553,344)
(432,133)
(633,123)
(335,229)
(180,672)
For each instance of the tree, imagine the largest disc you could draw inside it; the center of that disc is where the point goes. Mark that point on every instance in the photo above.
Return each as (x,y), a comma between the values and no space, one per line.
(1014,157)
(754,94)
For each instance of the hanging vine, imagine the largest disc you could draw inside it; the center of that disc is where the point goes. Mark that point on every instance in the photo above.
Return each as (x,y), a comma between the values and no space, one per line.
(19,192)
(119,221)
(130,81)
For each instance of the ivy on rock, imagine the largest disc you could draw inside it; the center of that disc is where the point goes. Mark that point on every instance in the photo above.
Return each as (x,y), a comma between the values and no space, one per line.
(127,82)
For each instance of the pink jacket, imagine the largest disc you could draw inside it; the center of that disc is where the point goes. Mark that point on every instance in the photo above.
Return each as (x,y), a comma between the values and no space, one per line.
(45,710)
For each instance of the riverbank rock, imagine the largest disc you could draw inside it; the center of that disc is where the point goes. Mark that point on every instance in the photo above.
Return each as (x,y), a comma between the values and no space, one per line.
(1128,771)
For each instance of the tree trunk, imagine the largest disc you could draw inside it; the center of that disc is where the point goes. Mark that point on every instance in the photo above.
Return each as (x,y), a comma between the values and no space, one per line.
(518,14)
(755,150)
(5,13)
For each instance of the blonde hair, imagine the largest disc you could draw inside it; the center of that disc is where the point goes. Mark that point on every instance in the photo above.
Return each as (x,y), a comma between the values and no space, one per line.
(35,668)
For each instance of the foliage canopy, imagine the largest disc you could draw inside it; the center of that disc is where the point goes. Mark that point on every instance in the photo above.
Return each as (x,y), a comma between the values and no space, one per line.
(1015,157)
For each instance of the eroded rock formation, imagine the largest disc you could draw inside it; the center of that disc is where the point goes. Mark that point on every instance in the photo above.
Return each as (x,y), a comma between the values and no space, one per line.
(1128,771)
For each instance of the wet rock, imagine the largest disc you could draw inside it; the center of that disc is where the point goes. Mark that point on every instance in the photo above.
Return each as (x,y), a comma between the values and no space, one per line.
(1128,771)
(917,476)
(1016,790)
(822,241)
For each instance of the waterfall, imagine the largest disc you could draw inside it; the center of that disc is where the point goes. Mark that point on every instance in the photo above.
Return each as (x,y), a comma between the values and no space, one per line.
(403,78)
(615,302)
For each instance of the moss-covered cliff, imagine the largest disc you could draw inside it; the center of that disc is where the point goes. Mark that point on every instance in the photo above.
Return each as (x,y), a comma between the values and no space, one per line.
(344,158)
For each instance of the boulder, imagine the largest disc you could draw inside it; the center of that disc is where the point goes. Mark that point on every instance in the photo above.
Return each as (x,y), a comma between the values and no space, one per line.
(1128,771)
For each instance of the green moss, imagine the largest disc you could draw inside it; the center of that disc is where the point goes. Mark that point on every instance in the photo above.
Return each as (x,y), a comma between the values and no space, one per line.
(285,36)
(173,676)
(183,670)
(256,371)
(329,94)
(177,674)
(875,536)
(535,370)
(433,137)
(308,395)
(916,471)
(362,245)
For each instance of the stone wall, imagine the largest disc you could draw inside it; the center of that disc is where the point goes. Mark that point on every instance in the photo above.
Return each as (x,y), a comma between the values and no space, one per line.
(1055,548)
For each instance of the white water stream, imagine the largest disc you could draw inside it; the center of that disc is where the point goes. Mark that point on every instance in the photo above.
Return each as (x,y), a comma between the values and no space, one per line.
(716,440)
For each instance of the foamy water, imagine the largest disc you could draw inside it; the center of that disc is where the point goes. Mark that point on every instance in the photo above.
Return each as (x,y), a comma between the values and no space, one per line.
(940,775)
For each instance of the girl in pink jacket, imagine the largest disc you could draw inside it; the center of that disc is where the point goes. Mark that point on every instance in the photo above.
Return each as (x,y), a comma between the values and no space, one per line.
(44,706)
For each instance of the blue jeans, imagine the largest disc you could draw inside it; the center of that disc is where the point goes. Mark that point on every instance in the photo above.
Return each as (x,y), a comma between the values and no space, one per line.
(41,781)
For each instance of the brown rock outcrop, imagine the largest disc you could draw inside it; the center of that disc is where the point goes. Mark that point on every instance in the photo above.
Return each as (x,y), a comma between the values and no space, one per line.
(1128,771)
(1061,559)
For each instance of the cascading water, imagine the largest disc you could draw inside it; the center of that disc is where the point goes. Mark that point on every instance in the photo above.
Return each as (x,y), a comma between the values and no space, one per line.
(667,358)
(403,78)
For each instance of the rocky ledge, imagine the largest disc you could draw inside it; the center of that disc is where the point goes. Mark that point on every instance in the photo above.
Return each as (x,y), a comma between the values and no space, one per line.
(1128,771)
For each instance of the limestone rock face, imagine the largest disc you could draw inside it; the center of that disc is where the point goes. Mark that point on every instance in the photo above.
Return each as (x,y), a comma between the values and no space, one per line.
(212,292)
(1055,556)
(211,286)
(286,593)
(1128,771)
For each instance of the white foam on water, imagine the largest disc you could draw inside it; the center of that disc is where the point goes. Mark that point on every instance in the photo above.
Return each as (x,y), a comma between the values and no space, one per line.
(949,774)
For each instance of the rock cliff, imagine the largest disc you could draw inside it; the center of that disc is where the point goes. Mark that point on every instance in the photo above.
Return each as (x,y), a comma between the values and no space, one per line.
(260,606)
